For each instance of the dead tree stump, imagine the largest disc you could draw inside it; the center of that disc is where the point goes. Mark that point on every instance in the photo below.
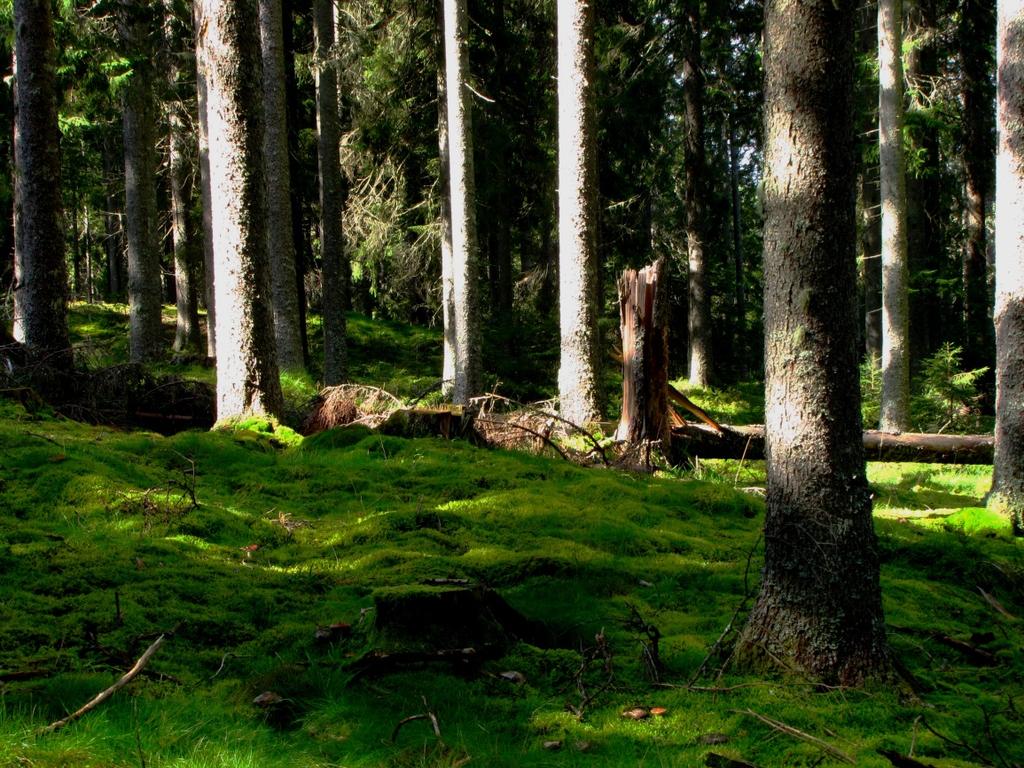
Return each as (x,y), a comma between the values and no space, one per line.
(644,317)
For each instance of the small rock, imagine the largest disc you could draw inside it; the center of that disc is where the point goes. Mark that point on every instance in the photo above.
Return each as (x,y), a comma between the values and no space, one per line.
(637,713)
(513,677)
(552,746)
(267,699)
(583,746)
(645,583)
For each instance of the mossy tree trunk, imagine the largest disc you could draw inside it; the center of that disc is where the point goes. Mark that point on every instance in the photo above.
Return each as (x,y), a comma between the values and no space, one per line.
(247,372)
(1008,480)
(578,389)
(40,273)
(819,609)
(895,416)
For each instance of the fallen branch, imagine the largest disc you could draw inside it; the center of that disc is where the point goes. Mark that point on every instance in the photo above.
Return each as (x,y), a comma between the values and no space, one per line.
(796,733)
(524,428)
(101,697)
(428,715)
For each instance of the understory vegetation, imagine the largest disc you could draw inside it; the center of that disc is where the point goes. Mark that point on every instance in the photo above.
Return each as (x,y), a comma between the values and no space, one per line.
(600,606)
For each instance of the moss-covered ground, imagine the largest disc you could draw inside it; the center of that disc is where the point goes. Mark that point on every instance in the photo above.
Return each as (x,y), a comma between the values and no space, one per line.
(101,550)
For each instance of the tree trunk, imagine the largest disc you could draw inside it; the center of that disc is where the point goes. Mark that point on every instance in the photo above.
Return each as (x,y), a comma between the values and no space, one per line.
(748,443)
(300,245)
(247,373)
(279,221)
(895,416)
(447,263)
(180,173)
(140,166)
(465,255)
(40,274)
(740,299)
(819,609)
(699,315)
(331,239)
(209,272)
(1008,478)
(644,311)
(975,43)
(925,207)
(870,200)
(578,387)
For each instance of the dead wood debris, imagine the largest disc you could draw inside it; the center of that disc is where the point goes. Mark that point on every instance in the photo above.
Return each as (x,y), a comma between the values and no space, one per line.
(349,404)
(796,733)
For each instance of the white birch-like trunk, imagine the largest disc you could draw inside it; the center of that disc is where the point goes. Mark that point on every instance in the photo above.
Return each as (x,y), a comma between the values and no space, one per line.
(447,267)
(895,416)
(465,256)
(1008,481)
(577,220)
(209,291)
(247,372)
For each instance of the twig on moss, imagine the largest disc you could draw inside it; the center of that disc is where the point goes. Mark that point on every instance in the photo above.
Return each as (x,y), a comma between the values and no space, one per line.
(796,733)
(953,742)
(533,432)
(101,697)
(427,715)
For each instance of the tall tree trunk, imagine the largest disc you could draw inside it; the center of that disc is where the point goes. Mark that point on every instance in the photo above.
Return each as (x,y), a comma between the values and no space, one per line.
(140,165)
(279,222)
(1008,479)
(114,245)
(699,314)
(735,219)
(206,191)
(180,173)
(976,33)
(870,199)
(895,416)
(247,372)
(300,244)
(578,386)
(925,211)
(40,274)
(447,263)
(331,195)
(819,609)
(465,255)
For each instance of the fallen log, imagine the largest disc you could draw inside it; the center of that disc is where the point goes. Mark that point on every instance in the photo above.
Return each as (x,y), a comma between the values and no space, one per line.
(748,442)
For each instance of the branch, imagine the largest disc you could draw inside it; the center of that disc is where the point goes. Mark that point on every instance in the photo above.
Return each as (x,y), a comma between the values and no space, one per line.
(789,730)
(104,695)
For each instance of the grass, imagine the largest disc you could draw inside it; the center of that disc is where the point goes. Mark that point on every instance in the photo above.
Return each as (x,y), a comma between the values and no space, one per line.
(101,549)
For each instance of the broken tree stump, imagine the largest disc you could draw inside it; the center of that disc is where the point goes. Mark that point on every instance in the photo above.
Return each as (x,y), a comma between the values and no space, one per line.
(644,315)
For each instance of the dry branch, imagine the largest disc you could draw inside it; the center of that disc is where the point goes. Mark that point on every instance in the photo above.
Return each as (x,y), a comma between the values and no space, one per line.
(101,697)
(796,733)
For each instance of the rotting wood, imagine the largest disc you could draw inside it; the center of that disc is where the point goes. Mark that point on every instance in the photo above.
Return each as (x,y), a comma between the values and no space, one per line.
(733,442)
(101,697)
(902,761)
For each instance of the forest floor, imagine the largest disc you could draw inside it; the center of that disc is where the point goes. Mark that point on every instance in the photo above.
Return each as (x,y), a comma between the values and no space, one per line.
(318,576)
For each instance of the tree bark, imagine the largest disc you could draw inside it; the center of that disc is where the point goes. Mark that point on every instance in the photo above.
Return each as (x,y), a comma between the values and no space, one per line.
(740,298)
(1008,477)
(465,254)
(447,263)
(870,200)
(895,415)
(331,238)
(247,372)
(578,387)
(206,192)
(279,222)
(40,274)
(819,610)
(699,315)
(180,173)
(141,164)
(976,33)
(644,317)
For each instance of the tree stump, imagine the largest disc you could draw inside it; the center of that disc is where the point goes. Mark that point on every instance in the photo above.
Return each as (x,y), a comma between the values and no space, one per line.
(644,313)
